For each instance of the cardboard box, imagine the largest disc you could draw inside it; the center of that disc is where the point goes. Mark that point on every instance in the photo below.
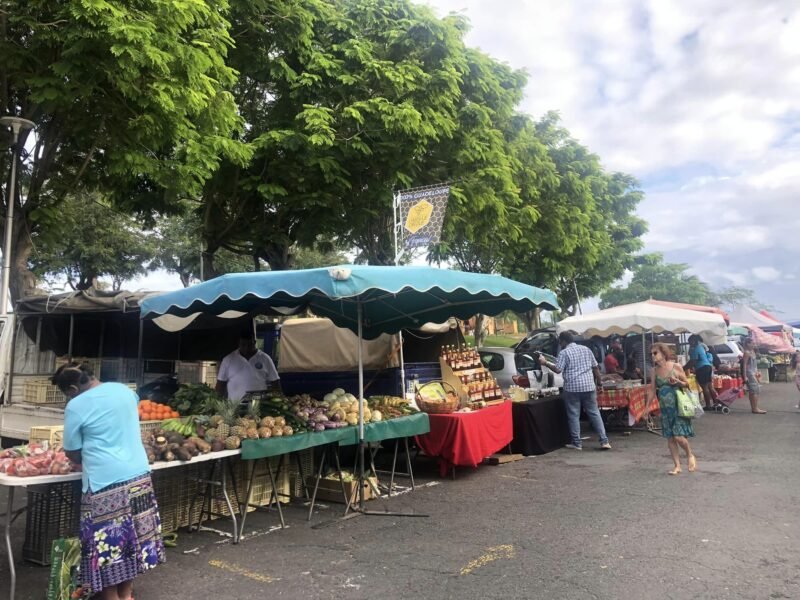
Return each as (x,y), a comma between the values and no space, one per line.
(330,490)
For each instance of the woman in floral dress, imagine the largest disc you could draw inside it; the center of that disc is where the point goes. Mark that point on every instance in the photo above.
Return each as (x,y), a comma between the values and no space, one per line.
(120,529)
(666,377)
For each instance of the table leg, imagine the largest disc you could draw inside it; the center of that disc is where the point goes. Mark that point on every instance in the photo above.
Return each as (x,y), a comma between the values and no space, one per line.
(243,510)
(274,491)
(316,482)
(394,467)
(9,551)
(301,473)
(227,498)
(347,500)
(408,464)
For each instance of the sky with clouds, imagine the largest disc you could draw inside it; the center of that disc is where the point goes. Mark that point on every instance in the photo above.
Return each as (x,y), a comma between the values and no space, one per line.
(699,100)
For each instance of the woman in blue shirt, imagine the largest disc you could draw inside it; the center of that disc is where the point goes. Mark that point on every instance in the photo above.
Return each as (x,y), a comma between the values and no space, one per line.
(120,529)
(703,364)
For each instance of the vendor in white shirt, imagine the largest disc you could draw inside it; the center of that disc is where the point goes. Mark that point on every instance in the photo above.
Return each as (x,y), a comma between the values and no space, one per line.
(246,369)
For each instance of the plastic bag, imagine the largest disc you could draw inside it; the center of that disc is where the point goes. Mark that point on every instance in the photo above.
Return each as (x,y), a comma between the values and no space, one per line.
(698,407)
(684,403)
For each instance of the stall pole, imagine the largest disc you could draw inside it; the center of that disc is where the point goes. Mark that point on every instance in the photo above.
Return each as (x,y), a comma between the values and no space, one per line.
(9,548)
(361,480)
(139,364)
(396,205)
(71,334)
(101,345)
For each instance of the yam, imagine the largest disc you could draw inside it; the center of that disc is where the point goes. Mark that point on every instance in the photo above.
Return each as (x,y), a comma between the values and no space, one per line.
(182,453)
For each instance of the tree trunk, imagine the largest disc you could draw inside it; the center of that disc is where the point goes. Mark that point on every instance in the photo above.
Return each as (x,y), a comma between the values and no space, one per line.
(186,278)
(209,272)
(22,282)
(480,333)
(278,257)
(528,318)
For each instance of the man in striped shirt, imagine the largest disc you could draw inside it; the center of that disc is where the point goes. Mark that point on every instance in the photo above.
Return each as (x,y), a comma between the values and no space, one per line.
(581,382)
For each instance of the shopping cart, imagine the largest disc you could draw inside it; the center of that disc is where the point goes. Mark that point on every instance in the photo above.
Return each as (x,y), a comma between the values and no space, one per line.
(725,399)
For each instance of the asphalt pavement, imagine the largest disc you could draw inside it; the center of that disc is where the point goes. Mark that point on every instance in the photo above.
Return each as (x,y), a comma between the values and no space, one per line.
(569,524)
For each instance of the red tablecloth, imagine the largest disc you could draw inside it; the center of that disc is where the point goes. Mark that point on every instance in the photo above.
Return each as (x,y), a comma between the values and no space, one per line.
(465,439)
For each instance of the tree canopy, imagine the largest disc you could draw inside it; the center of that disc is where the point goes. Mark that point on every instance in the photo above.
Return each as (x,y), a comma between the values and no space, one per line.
(273,134)
(653,278)
(130,100)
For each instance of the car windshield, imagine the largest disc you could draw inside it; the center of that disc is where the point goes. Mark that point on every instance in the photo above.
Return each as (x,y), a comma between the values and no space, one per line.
(536,343)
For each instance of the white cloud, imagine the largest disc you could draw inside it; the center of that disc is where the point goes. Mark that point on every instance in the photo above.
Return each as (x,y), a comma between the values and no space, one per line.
(766,273)
(700,100)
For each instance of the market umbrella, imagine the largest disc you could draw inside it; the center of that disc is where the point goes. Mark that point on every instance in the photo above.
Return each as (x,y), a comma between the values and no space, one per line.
(369,300)
(643,317)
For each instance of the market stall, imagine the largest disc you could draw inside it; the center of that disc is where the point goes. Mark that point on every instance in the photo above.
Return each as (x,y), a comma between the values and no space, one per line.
(540,425)
(369,300)
(12,483)
(465,439)
(643,318)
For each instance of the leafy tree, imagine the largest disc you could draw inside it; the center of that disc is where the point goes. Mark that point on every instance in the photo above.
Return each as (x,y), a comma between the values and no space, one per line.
(130,99)
(588,232)
(91,240)
(341,100)
(180,251)
(734,296)
(653,278)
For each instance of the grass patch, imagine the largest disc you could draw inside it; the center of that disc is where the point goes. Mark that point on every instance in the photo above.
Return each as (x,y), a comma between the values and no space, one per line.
(504,341)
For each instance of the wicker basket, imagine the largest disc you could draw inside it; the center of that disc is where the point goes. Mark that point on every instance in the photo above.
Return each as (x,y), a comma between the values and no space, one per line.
(439,408)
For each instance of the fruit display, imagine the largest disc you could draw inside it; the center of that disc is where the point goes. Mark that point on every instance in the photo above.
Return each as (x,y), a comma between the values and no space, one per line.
(33,459)
(153,411)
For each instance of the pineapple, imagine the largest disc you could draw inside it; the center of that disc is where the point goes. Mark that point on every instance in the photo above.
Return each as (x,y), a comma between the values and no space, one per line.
(239,431)
(277,431)
(216,420)
(267,422)
(232,442)
(252,433)
(280,422)
(228,412)
(288,430)
(264,432)
(254,411)
(212,434)
(242,422)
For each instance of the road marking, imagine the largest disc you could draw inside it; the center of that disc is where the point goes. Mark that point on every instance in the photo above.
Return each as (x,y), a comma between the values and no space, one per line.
(221,564)
(504,552)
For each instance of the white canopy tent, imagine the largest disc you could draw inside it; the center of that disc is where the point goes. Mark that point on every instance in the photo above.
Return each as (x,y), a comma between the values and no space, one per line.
(644,317)
(748,316)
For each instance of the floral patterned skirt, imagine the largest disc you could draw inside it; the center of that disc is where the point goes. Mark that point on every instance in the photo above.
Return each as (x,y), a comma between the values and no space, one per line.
(120,534)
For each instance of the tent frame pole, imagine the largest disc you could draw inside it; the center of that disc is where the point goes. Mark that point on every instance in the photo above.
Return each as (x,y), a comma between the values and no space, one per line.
(362,479)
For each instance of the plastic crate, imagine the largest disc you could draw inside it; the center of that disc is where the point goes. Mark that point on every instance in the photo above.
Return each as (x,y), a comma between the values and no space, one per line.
(52,434)
(95,364)
(53,512)
(41,391)
(197,372)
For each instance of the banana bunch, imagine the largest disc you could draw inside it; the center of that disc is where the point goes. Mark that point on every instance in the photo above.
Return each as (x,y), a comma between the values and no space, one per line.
(185,426)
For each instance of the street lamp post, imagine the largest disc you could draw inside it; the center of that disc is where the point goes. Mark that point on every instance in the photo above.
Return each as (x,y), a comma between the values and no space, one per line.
(17,124)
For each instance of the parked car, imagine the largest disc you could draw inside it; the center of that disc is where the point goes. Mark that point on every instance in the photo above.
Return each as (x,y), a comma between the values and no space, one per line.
(730,353)
(509,367)
(546,341)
